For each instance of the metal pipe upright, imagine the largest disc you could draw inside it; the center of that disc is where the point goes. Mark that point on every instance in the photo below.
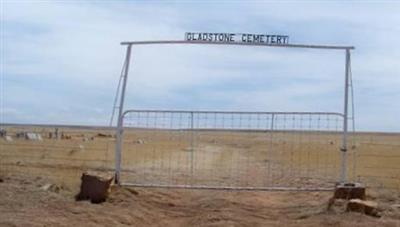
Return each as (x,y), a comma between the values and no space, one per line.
(191,143)
(118,142)
(343,173)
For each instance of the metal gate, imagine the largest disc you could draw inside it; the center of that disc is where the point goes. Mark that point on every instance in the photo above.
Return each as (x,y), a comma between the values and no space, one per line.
(231,150)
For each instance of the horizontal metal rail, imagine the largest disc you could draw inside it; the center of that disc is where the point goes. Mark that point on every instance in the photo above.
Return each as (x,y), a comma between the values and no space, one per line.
(102,127)
(334,47)
(63,126)
(232,112)
(226,188)
(234,130)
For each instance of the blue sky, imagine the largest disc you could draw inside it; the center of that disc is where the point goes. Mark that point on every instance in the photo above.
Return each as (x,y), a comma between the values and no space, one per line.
(60,61)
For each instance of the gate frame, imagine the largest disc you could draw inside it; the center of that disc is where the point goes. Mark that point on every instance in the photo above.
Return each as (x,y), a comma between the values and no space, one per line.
(125,71)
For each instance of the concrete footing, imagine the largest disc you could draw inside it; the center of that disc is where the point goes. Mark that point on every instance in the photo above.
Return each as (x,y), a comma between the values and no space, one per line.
(94,188)
(352,198)
(349,191)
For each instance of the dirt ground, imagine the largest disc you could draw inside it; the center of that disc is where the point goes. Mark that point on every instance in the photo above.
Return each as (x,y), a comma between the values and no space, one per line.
(38,182)
(26,201)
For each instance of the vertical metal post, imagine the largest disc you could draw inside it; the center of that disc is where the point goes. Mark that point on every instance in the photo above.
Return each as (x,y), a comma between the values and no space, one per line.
(271,146)
(343,173)
(118,142)
(191,143)
(272,122)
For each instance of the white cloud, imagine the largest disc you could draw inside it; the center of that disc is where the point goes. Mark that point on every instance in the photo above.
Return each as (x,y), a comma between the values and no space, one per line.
(76,45)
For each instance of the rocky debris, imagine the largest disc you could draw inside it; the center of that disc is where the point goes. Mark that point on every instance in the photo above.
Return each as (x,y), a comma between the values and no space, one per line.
(396,206)
(20,135)
(85,139)
(188,149)
(362,206)
(351,197)
(33,136)
(140,141)
(340,206)
(337,205)
(19,163)
(94,188)
(3,133)
(66,137)
(51,187)
(132,191)
(104,135)
(29,136)
(80,148)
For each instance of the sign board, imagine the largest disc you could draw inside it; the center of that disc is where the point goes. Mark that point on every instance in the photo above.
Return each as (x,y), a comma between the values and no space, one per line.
(236,38)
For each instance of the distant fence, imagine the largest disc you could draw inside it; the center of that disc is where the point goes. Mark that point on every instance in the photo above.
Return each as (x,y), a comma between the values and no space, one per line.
(378,160)
(57,152)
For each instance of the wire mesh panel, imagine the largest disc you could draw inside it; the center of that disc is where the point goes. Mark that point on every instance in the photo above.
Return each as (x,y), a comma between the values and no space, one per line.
(231,150)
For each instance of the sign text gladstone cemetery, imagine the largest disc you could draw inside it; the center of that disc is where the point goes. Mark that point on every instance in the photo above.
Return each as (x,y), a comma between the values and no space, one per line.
(237,38)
